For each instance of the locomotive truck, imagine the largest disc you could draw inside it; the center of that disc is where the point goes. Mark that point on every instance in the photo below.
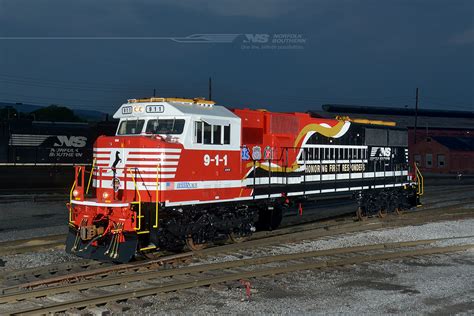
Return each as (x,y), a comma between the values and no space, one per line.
(186,172)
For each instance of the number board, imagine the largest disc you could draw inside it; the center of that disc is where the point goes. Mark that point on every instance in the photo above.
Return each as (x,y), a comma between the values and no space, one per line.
(155,109)
(127,110)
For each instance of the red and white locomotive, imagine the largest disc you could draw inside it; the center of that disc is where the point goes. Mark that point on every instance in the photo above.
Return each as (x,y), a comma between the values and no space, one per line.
(187,172)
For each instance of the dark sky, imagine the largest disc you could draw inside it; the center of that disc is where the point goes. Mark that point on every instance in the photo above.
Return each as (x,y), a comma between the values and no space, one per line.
(367,52)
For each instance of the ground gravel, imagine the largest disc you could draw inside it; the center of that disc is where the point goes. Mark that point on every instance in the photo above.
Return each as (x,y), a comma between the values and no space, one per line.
(435,285)
(431,285)
(446,229)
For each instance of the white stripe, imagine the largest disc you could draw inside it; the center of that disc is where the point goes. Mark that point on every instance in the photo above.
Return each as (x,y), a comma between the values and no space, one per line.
(316,162)
(140,169)
(294,193)
(343,130)
(316,177)
(101,155)
(31,136)
(153,163)
(162,156)
(155,150)
(161,169)
(139,177)
(148,163)
(91,203)
(265,196)
(38,164)
(151,185)
(334,146)
(25,145)
(140,150)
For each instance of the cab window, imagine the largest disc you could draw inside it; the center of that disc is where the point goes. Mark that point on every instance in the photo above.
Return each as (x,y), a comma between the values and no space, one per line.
(165,126)
(130,127)
(211,134)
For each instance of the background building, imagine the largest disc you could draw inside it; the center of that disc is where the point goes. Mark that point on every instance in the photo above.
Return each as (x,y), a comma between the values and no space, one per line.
(441,144)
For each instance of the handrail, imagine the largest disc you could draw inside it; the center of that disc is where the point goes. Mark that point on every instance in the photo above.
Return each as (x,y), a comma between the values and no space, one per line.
(90,177)
(139,202)
(421,184)
(157,195)
(70,199)
(76,175)
(72,190)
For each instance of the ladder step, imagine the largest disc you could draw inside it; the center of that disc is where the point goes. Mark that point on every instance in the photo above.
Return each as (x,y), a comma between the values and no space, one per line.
(148,248)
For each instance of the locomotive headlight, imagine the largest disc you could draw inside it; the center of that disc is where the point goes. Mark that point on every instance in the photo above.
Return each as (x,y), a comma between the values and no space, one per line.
(75,193)
(105,195)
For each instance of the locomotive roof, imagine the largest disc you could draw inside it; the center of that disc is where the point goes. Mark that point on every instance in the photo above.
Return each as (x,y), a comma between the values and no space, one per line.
(196,107)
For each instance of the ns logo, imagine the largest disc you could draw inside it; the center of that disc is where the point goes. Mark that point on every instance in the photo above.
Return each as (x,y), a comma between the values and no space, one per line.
(71,141)
(380,153)
(256,38)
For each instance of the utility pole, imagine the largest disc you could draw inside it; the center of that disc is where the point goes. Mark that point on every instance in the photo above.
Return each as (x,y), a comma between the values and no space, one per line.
(210,89)
(154,92)
(416,113)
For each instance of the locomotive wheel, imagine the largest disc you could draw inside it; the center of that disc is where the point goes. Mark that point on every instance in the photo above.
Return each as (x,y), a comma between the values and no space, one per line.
(398,211)
(382,213)
(194,246)
(237,239)
(361,215)
(148,255)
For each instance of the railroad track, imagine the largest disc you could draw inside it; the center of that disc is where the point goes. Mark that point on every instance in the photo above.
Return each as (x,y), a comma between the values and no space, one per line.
(167,280)
(55,241)
(76,271)
(321,229)
(32,244)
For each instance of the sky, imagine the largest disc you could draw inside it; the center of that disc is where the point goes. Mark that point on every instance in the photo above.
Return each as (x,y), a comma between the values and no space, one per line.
(95,55)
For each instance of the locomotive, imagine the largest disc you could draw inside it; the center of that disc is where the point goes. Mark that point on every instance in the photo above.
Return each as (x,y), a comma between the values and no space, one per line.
(186,172)
(35,153)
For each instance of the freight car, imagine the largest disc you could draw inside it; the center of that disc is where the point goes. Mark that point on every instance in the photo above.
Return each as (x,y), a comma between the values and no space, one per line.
(39,155)
(187,172)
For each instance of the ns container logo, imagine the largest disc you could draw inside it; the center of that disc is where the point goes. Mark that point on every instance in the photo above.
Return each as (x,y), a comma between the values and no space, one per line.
(71,141)
(380,153)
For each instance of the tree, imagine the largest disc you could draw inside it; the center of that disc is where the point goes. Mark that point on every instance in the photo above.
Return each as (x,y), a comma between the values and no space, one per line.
(8,112)
(55,113)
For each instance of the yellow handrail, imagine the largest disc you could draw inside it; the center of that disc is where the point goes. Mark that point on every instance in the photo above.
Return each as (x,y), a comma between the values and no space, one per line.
(90,177)
(157,195)
(139,202)
(70,199)
(70,194)
(421,184)
(72,190)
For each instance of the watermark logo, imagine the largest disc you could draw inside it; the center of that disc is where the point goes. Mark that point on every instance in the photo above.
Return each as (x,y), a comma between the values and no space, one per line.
(246,41)
(256,38)
(274,41)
